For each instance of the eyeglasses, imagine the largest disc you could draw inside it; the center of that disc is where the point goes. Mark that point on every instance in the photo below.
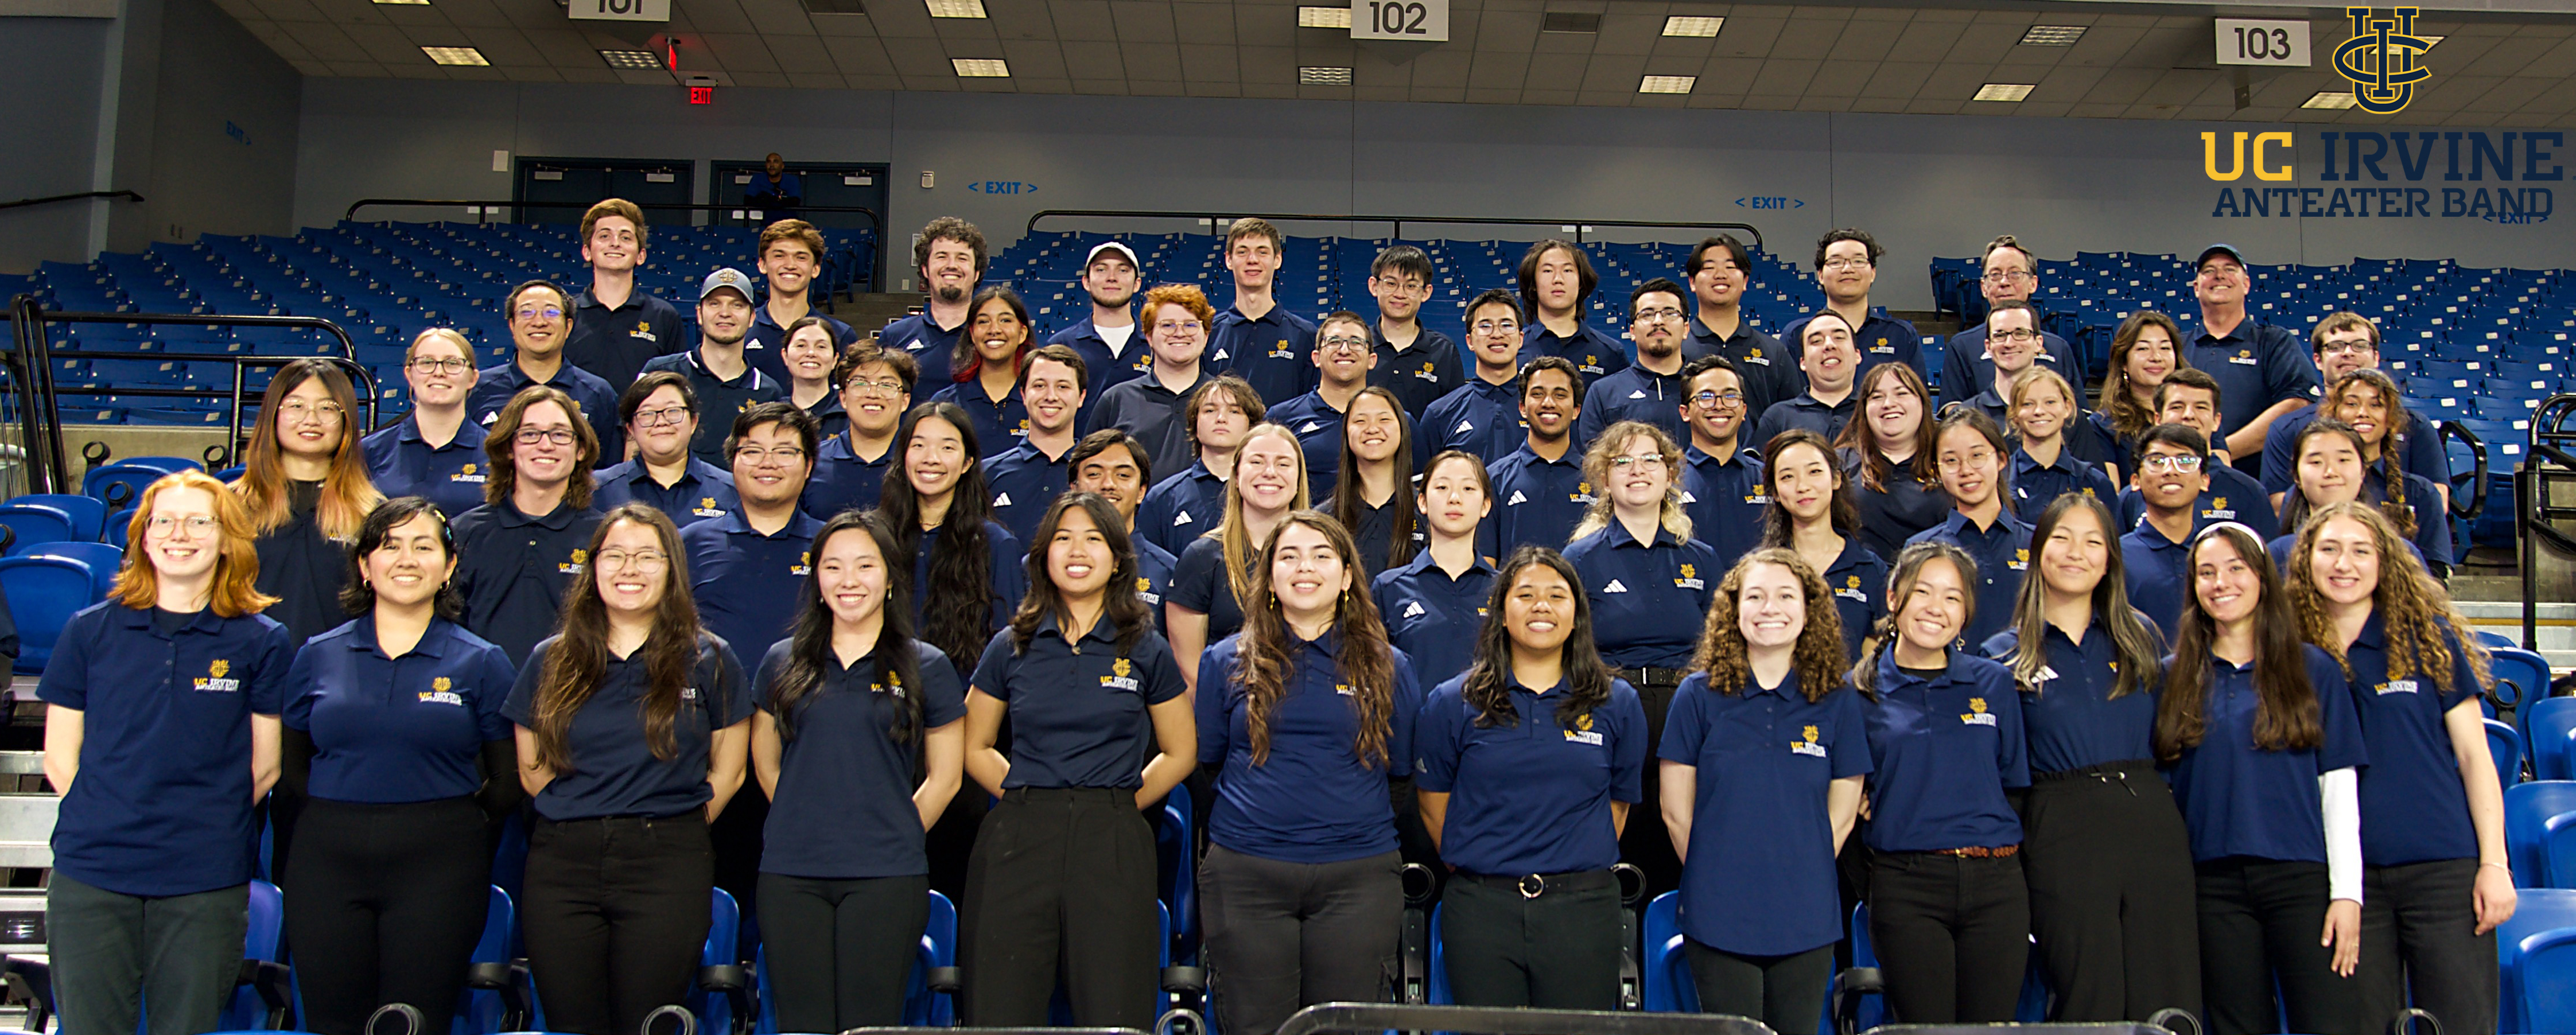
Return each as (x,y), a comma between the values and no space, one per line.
(1178,326)
(2170,462)
(2016,334)
(296,411)
(163,525)
(657,418)
(1719,400)
(549,312)
(646,561)
(866,388)
(1403,287)
(439,366)
(1343,343)
(2006,276)
(2338,348)
(1649,463)
(1498,327)
(552,436)
(1660,316)
(754,455)
(1848,264)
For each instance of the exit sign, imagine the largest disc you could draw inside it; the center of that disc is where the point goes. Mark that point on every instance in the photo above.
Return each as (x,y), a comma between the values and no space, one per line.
(702,95)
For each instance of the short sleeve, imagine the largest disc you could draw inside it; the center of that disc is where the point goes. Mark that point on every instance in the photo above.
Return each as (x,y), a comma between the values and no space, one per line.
(728,700)
(1010,576)
(1437,736)
(1851,733)
(268,678)
(2012,754)
(943,699)
(2424,452)
(2288,373)
(1194,577)
(1404,708)
(1216,666)
(993,671)
(2464,678)
(1999,646)
(521,708)
(298,691)
(2279,467)
(492,675)
(1163,680)
(764,680)
(1628,752)
(2343,747)
(1685,723)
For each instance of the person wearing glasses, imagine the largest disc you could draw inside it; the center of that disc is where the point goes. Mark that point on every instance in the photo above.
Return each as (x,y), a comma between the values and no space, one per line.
(660,413)
(2173,470)
(1415,362)
(1846,268)
(2012,349)
(2259,370)
(307,491)
(2344,342)
(811,354)
(1343,358)
(1720,269)
(723,379)
(1650,389)
(540,322)
(1721,477)
(2011,275)
(516,552)
(1483,416)
(434,452)
(1158,407)
(876,391)
(2190,396)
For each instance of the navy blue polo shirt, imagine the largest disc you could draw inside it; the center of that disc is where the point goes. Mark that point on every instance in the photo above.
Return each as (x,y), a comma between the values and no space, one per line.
(2255,365)
(703,491)
(2158,573)
(401,463)
(1181,508)
(2432,541)
(1275,353)
(1635,393)
(1318,427)
(1901,506)
(2114,449)
(2232,495)
(1432,618)
(1859,581)
(1314,800)
(1532,796)
(2068,714)
(1769,372)
(830,418)
(1078,710)
(1726,500)
(1199,584)
(1106,371)
(1760,880)
(842,480)
(720,400)
(746,583)
(1596,354)
(2418,446)
(1024,482)
(612,768)
(765,348)
(1418,375)
(1000,424)
(496,385)
(1009,583)
(1479,417)
(303,568)
(1537,501)
(932,346)
(2036,485)
(403,729)
(1806,412)
(2002,553)
(615,343)
(1152,413)
(1153,577)
(1374,535)
(1945,750)
(2238,799)
(2414,807)
(1648,599)
(1879,338)
(162,803)
(1968,369)
(511,570)
(843,808)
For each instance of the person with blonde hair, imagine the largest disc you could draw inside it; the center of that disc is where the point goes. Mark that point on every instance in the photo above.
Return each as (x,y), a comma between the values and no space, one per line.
(305,485)
(1214,572)
(435,451)
(2046,461)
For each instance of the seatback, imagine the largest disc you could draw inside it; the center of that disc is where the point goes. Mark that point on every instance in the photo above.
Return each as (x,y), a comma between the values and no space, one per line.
(44,593)
(34,524)
(2538,911)
(478,1012)
(1669,988)
(2545,737)
(2528,807)
(101,559)
(2505,746)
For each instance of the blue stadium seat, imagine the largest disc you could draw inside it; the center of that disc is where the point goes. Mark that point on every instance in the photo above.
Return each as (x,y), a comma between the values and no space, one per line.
(88,513)
(134,474)
(44,593)
(1668,984)
(32,523)
(2545,738)
(101,559)
(484,1007)
(723,991)
(252,1008)
(2542,918)
(119,524)
(2505,745)
(2528,807)
(2521,677)
(1176,852)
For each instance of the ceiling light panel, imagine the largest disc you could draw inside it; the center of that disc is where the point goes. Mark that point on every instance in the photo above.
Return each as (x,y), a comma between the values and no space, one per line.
(2329,101)
(2052,35)
(956,8)
(1667,84)
(1692,25)
(637,60)
(2004,91)
(1323,17)
(455,55)
(981,68)
(1323,75)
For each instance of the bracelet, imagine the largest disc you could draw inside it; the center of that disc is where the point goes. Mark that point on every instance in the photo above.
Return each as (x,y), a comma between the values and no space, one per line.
(2500,866)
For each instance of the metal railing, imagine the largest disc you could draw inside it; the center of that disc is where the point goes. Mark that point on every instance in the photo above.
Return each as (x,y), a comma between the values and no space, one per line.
(485,209)
(30,367)
(1218,218)
(2549,457)
(26,202)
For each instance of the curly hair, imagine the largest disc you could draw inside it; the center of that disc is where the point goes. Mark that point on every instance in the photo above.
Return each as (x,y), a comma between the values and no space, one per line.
(1818,657)
(1608,445)
(1488,686)
(2422,623)
(2390,464)
(1366,662)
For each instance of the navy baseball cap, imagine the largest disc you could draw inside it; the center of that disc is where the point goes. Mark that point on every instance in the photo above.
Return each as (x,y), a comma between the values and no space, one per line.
(2228,250)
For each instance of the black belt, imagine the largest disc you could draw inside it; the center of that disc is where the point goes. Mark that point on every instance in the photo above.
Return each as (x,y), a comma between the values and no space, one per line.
(1651,676)
(2105,772)
(1533,885)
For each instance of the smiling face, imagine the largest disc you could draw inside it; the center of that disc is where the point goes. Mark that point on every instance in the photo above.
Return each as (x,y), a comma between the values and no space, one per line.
(2329,470)
(997,332)
(1399,294)
(2042,411)
(725,317)
(875,399)
(1714,407)
(1177,335)
(2345,350)
(851,573)
(547,447)
(1971,468)
(2075,554)
(1719,282)
(1252,258)
(1052,392)
(440,372)
(2170,477)
(789,264)
(613,245)
(1113,473)
(1454,498)
(2187,404)
(1306,573)
(409,566)
(1827,354)
(1771,607)
(2223,581)
(1538,612)
(310,422)
(1343,353)
(539,319)
(1935,607)
(1267,470)
(1547,405)
(2345,561)
(2221,281)
(182,537)
(935,459)
(1372,427)
(1079,560)
(1559,279)
(2012,339)
(1110,280)
(949,275)
(809,354)
(1804,480)
(1638,478)
(1494,335)
(2150,358)
(1220,422)
(2361,405)
(770,466)
(1848,272)
(663,426)
(632,569)
(1895,412)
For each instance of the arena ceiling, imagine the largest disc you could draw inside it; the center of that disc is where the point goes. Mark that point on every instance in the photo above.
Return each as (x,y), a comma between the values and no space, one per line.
(2129,61)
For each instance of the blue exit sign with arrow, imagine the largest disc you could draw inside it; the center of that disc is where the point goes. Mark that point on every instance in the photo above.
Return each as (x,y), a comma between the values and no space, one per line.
(1001,187)
(1773,202)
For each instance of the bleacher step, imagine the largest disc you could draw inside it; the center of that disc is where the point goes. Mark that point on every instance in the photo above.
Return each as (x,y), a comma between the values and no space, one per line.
(2554,627)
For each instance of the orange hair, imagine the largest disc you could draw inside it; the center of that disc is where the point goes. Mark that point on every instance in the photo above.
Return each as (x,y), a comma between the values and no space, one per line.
(236,551)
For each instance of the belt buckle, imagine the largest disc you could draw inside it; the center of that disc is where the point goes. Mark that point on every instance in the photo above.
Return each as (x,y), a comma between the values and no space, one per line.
(1533,885)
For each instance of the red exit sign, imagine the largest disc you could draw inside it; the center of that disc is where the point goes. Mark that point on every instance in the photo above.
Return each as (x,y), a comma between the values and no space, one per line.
(702,95)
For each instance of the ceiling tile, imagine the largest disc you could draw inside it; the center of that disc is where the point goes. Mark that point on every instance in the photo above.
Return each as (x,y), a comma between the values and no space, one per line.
(360,69)
(1154,61)
(1868,41)
(1442,68)
(1142,21)
(1204,23)
(740,52)
(1016,19)
(2507,57)
(1082,20)
(1614,73)
(1268,64)
(384,43)
(858,56)
(1988,41)
(804,55)
(2101,45)
(1035,59)
(1497,72)
(1779,77)
(1629,33)
(1205,63)
(1954,82)
(1840,78)
(1093,60)
(1809,39)
(1554,72)
(1926,41)
(1507,31)
(1563,97)
(1897,79)
(1264,25)
(1107,87)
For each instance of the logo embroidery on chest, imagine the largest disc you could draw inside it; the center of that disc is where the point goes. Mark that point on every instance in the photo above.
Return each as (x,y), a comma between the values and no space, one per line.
(1977,713)
(1412,609)
(804,564)
(1282,350)
(1851,590)
(1583,733)
(707,507)
(1883,348)
(1690,578)
(1582,493)
(215,682)
(892,685)
(2396,686)
(643,329)
(1426,374)
(1808,746)
(1145,590)
(468,474)
(2020,561)
(440,692)
(2244,358)
(2218,510)
(580,559)
(1120,676)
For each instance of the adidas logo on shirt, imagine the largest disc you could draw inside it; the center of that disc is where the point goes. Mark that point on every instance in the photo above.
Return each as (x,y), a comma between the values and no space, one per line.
(1002,500)
(1182,519)
(1615,586)
(1412,609)
(1516,500)
(1310,426)
(1639,394)
(1466,426)
(1688,497)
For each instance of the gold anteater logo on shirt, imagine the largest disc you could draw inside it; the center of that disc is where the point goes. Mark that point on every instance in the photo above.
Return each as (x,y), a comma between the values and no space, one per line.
(1977,715)
(439,692)
(2021,559)
(574,566)
(439,683)
(1690,578)
(1809,745)
(1583,733)
(1120,675)
(213,682)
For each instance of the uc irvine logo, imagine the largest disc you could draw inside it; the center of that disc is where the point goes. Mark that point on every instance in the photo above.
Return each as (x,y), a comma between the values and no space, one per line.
(2381,62)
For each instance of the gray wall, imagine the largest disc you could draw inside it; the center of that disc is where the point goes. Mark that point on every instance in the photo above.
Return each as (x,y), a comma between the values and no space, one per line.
(53,68)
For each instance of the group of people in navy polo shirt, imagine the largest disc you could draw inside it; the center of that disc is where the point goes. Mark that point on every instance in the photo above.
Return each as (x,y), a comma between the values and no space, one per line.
(1373,595)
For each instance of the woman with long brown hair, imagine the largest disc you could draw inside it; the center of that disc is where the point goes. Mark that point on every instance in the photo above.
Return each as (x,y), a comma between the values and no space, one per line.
(1304,716)
(986,365)
(2258,732)
(1373,487)
(633,726)
(1889,449)
(305,482)
(2147,347)
(1811,514)
(2333,468)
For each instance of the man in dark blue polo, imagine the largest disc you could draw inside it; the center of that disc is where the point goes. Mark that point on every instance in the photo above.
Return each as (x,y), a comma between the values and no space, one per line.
(790,257)
(1722,486)
(517,552)
(540,318)
(2342,343)
(1115,464)
(616,325)
(849,468)
(2189,397)
(744,565)
(1967,367)
(1555,279)
(660,414)
(1026,478)
(1719,270)
(1832,367)
(1215,418)
(2262,373)
(1483,416)
(1650,389)
(2173,466)
(949,255)
(1154,407)
(1846,268)
(2012,343)
(1539,490)
(719,369)
(1256,338)
(1108,340)
(1415,362)
(1342,362)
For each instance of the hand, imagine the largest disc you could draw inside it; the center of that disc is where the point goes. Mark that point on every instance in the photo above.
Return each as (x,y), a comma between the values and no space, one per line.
(2343,934)
(2495,897)
(1864,806)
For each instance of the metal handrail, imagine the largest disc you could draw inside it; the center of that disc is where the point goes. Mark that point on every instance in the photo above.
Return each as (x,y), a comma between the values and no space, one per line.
(2550,442)
(25,202)
(2477,476)
(1214,218)
(875,222)
(1490,1020)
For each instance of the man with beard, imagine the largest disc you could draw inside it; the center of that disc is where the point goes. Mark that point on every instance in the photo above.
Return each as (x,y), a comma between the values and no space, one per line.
(950,256)
(790,256)
(1650,390)
(725,382)
(1539,491)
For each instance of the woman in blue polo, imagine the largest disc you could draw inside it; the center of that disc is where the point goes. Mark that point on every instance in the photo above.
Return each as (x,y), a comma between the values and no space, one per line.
(1948,911)
(2103,845)
(1763,757)
(2054,451)
(2432,810)
(1214,571)
(1812,514)
(1373,488)
(1062,878)
(304,480)
(1526,768)
(633,728)
(1433,604)
(2258,733)
(1303,715)
(850,707)
(1888,449)
(1971,453)
(434,451)
(161,734)
(967,564)
(395,738)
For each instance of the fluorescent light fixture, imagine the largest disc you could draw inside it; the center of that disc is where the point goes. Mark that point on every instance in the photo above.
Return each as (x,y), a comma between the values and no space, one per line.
(956,8)
(1667,84)
(2328,100)
(1323,75)
(2052,35)
(981,68)
(417,3)
(1692,25)
(455,55)
(2004,91)
(1323,17)
(638,60)
(2429,41)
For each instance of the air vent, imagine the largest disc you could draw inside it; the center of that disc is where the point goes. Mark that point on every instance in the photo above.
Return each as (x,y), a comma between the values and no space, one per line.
(1323,75)
(835,7)
(1570,21)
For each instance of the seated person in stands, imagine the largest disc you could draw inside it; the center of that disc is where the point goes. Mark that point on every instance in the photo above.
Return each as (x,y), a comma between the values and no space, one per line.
(2342,343)
(434,452)
(876,391)
(660,414)
(774,189)
(2190,396)
(1418,363)
(1028,477)
(949,256)
(719,369)
(2257,365)
(2142,353)
(1967,365)
(1482,416)
(1555,277)
(2044,463)
(1720,269)
(540,317)
(1832,366)
(790,257)
(617,325)
(1846,268)
(811,354)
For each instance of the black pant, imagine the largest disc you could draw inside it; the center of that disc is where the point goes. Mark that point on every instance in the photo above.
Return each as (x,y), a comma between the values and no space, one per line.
(1062,884)
(1785,992)
(1283,935)
(1645,843)
(616,917)
(113,950)
(384,903)
(841,951)
(2109,866)
(1952,935)
(1559,950)
(735,838)
(2259,924)
(2423,918)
